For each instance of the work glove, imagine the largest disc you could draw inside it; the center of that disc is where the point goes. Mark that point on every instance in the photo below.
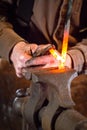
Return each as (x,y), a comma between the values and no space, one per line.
(31,56)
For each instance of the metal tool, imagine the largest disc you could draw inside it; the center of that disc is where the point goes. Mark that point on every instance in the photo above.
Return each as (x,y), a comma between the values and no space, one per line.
(42,51)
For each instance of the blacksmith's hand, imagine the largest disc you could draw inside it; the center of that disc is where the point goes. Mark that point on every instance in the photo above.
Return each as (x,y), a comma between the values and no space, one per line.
(47,61)
(20,54)
(31,56)
(23,52)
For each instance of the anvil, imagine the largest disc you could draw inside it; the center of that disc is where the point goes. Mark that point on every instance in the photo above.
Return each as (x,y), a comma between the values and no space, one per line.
(49,95)
(50,84)
(60,79)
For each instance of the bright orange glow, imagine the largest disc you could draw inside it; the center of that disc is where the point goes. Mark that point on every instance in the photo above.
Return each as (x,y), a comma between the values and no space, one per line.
(65,44)
(57,55)
(64,49)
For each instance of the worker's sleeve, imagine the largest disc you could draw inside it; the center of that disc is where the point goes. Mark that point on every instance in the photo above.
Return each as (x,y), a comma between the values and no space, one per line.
(79,56)
(8,38)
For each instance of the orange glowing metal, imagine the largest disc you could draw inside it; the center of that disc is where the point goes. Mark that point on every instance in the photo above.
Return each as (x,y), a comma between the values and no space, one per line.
(61,58)
(65,44)
(64,50)
(57,55)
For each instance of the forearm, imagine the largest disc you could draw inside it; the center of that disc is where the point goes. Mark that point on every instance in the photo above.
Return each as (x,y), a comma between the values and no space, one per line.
(79,55)
(8,38)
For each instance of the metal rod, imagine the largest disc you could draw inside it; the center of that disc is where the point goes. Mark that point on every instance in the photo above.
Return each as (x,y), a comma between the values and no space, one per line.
(66,32)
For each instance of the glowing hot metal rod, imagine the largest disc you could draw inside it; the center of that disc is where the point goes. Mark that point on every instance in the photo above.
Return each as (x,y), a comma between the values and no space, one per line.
(66,32)
(62,57)
(56,54)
